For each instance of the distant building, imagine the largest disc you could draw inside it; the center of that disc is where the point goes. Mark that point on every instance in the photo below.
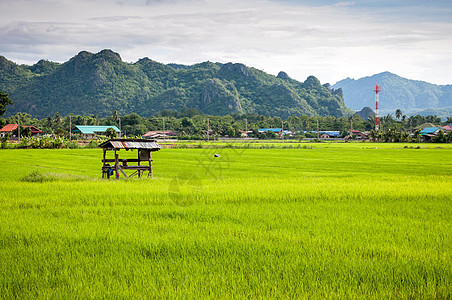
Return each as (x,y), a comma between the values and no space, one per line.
(430,131)
(447,128)
(358,134)
(244,133)
(329,134)
(159,134)
(91,132)
(8,129)
(278,131)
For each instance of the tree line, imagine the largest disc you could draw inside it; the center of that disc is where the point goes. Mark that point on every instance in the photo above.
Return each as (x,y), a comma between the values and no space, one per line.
(192,124)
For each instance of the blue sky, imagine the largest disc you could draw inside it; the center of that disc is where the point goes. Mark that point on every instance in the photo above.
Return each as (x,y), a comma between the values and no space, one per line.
(329,39)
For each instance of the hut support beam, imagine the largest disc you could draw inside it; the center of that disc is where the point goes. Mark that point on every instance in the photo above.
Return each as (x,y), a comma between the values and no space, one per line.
(150,166)
(116,165)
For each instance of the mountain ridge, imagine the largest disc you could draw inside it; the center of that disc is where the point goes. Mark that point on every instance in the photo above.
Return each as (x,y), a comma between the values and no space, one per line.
(411,96)
(99,83)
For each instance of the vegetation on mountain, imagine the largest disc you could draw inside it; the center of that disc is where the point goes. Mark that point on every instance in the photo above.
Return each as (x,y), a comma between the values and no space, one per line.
(4,101)
(100,83)
(414,97)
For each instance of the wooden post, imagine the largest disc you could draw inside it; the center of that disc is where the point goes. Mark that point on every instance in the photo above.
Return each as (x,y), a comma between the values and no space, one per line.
(139,163)
(150,165)
(103,164)
(116,165)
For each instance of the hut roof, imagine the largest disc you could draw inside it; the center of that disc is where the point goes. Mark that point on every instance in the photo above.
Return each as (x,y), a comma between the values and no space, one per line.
(131,144)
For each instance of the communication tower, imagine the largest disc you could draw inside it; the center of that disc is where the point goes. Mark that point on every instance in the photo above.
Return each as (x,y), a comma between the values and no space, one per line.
(377,89)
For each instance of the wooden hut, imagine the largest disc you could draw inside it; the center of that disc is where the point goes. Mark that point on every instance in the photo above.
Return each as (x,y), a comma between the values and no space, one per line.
(139,165)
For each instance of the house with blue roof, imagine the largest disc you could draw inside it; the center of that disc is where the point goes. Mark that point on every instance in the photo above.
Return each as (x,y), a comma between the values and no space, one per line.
(278,131)
(93,131)
(329,134)
(430,130)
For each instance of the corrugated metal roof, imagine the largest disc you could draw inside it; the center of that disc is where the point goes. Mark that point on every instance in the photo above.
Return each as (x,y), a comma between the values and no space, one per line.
(9,128)
(131,144)
(447,127)
(429,130)
(84,129)
(269,129)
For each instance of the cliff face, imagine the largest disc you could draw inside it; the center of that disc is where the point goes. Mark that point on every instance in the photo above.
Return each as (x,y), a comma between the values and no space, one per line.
(100,83)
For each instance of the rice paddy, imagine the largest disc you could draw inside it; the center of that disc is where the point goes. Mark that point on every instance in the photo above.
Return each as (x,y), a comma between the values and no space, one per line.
(326,221)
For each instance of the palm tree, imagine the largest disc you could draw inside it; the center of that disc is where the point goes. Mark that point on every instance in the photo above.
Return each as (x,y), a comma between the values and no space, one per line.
(398,113)
(58,118)
(115,116)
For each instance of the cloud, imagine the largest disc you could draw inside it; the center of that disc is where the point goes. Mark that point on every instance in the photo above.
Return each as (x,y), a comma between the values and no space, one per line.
(345,4)
(333,41)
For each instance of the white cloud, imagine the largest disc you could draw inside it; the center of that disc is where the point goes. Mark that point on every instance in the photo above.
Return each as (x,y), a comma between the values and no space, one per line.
(330,42)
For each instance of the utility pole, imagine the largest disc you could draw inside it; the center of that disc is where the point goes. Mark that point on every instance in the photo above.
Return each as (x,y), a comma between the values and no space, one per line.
(18,127)
(282,130)
(163,125)
(318,130)
(119,127)
(208,129)
(70,127)
(246,129)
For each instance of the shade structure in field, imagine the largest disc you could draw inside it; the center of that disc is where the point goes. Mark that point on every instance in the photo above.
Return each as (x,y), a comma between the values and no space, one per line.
(144,147)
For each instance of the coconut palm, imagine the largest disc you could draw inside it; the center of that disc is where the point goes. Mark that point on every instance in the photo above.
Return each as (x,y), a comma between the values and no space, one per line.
(398,113)
(115,116)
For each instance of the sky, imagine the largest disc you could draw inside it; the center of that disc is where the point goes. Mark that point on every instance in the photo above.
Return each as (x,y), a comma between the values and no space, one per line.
(329,39)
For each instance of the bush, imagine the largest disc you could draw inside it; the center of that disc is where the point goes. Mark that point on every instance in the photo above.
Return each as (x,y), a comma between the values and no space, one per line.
(37,177)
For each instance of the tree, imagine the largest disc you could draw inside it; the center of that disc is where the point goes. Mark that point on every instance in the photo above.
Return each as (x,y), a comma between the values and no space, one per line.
(115,116)
(398,113)
(4,101)
(110,133)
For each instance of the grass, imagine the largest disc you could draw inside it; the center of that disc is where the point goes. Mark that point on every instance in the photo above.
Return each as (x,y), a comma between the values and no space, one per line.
(329,222)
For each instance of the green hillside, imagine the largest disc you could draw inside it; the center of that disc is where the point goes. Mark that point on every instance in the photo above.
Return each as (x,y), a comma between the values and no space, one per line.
(100,83)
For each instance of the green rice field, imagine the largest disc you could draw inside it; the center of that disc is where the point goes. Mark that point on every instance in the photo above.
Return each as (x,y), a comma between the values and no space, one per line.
(348,220)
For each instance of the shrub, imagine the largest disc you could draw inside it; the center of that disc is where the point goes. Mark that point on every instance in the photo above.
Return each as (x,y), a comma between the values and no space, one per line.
(37,177)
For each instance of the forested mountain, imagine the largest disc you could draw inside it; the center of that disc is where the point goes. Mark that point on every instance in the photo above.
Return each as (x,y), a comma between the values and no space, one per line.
(411,96)
(101,83)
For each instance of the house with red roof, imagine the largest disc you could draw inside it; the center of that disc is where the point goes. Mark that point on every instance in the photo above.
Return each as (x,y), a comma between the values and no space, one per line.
(447,127)
(357,134)
(8,129)
(159,134)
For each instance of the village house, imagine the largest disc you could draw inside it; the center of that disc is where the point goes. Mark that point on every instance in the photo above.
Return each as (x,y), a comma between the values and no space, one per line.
(245,134)
(278,131)
(8,129)
(357,134)
(329,134)
(159,134)
(447,128)
(90,132)
(429,132)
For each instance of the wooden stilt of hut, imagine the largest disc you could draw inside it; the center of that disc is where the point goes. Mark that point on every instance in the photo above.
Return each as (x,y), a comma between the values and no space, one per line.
(139,166)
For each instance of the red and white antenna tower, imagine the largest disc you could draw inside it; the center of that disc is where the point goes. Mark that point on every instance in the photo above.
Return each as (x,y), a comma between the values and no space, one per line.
(377,89)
